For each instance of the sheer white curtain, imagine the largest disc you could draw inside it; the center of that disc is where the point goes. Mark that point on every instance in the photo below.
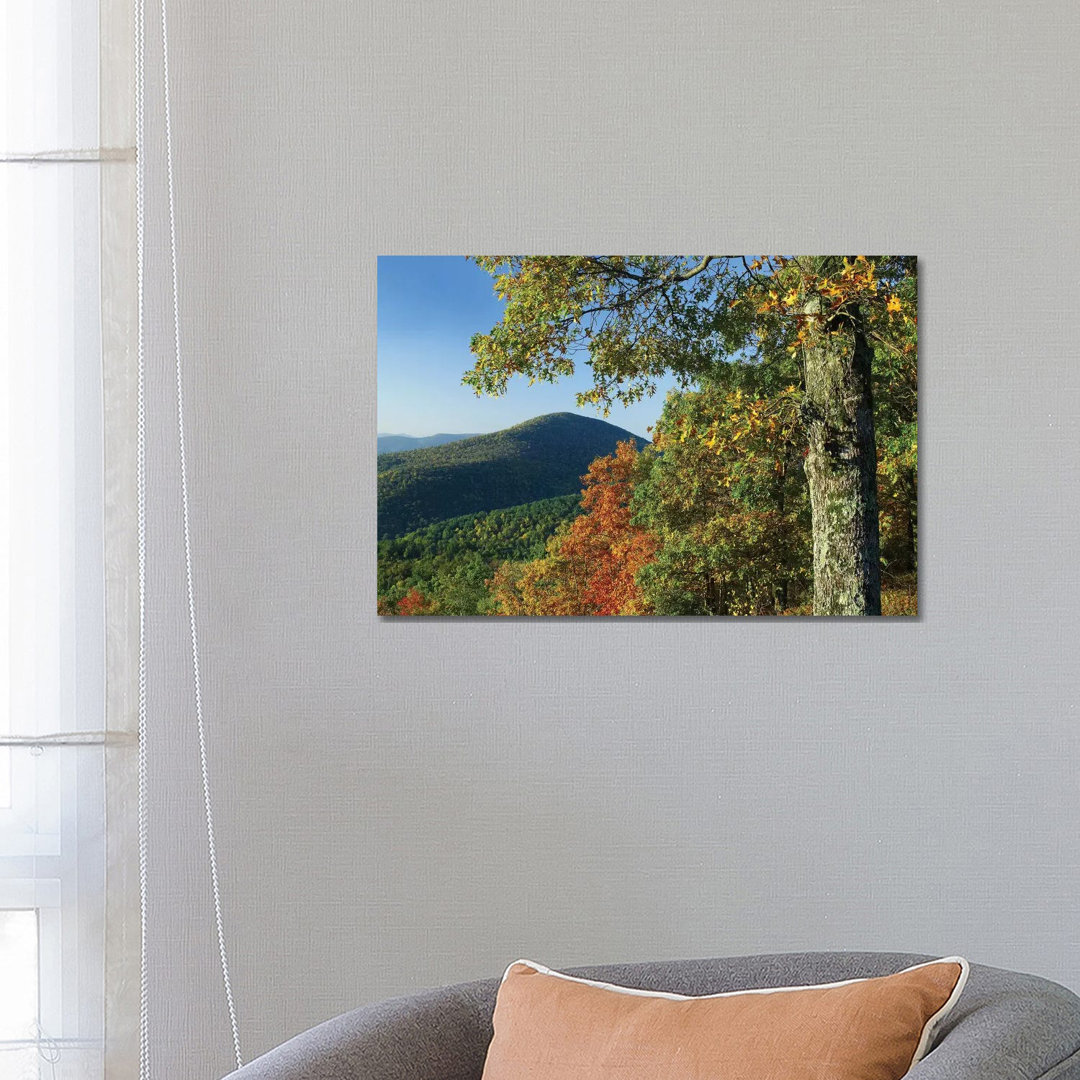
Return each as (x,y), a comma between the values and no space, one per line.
(54,202)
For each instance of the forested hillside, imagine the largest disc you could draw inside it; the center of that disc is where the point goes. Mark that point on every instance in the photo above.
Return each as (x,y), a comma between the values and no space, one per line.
(453,559)
(538,459)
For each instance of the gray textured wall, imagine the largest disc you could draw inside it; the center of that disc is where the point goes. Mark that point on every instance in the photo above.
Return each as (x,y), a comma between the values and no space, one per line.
(405,804)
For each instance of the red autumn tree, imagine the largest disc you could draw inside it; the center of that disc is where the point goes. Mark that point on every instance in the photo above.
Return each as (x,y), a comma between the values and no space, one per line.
(589,568)
(414,603)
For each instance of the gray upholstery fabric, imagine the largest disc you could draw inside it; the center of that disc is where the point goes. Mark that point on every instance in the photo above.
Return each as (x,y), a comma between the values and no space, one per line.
(1006,1026)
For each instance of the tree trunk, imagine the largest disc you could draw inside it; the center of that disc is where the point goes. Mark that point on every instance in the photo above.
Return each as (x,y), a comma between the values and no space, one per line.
(841,466)
(780,597)
(715,596)
(780,589)
(912,514)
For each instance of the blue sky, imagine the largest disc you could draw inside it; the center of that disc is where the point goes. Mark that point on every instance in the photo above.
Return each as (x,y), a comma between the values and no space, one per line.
(429,308)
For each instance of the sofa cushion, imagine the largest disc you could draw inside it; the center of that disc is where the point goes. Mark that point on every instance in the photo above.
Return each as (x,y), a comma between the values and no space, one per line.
(552,1026)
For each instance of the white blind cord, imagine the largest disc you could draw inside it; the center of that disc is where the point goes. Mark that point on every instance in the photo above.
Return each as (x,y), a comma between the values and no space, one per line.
(197,680)
(140,454)
(140,200)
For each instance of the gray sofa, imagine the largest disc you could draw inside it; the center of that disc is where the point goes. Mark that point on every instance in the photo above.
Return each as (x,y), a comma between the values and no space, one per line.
(1005,1026)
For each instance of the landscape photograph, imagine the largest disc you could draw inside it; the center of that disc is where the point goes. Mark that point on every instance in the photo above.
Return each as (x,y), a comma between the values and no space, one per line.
(651,435)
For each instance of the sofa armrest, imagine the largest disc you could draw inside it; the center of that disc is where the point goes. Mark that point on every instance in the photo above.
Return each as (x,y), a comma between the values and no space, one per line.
(1007,1026)
(440,1034)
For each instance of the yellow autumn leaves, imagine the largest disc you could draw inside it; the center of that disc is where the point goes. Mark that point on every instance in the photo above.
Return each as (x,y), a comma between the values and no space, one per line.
(770,424)
(854,282)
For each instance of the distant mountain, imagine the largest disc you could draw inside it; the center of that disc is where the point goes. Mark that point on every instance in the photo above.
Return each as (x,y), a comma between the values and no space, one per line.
(538,459)
(389,444)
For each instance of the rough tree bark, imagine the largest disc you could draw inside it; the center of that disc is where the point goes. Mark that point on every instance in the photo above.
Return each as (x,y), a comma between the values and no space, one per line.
(841,466)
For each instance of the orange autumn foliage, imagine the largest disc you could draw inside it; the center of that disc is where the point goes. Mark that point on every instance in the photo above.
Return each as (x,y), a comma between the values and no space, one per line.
(413,603)
(605,538)
(590,567)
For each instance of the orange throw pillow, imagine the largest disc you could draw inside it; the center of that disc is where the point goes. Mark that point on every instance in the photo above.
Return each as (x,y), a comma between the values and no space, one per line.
(550,1026)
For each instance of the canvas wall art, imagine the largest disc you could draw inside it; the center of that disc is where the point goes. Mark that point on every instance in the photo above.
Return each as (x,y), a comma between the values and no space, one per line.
(649,435)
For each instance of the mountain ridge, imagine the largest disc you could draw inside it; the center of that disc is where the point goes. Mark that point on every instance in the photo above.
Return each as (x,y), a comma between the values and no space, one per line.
(387,443)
